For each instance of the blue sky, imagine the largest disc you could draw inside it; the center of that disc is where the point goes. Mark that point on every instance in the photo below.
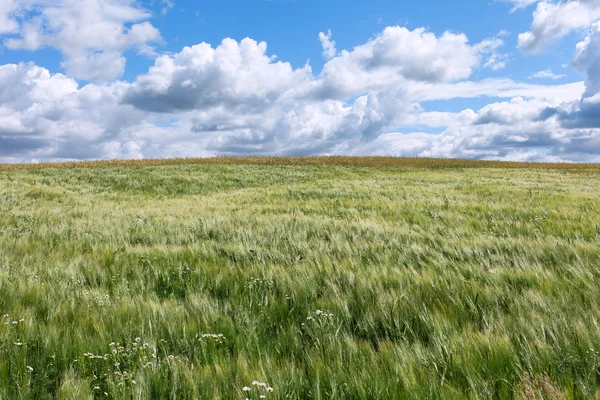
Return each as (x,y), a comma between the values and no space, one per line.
(130,79)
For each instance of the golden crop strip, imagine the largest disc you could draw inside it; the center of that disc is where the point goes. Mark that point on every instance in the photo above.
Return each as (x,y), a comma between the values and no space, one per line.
(389,162)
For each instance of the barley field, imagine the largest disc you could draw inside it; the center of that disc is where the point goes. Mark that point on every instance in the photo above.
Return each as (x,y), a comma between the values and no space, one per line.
(292,278)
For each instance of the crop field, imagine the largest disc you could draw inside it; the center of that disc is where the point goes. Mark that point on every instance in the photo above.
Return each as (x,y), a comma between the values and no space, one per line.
(317,278)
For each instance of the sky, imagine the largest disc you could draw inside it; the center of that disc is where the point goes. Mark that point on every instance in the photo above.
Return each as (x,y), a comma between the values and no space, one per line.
(131,79)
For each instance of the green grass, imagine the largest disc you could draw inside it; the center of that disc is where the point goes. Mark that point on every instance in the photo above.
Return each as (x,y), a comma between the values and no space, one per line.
(326,279)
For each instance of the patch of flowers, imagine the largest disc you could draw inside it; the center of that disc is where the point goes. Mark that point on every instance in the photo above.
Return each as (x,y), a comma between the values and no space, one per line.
(216,338)
(318,326)
(14,322)
(118,367)
(96,299)
(319,317)
(258,390)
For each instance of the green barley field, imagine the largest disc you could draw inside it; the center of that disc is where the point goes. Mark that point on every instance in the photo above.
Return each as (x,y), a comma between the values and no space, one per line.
(317,278)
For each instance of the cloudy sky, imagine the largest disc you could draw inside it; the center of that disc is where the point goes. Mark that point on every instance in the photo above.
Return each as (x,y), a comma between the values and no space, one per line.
(104,79)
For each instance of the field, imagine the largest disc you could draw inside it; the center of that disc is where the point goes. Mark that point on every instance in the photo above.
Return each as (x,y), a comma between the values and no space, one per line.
(319,278)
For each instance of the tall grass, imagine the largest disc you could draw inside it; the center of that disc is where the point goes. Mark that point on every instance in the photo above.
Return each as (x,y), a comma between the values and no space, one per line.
(296,279)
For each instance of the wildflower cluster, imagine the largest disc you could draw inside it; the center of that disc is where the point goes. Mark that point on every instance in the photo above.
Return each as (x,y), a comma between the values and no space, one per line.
(119,366)
(320,317)
(260,388)
(10,322)
(317,324)
(97,298)
(538,218)
(213,338)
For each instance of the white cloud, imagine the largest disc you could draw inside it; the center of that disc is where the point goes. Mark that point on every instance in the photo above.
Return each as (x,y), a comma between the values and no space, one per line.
(47,116)
(552,21)
(395,56)
(8,24)
(91,34)
(329,50)
(242,75)
(236,75)
(546,74)
(584,114)
(506,130)
(587,60)
(489,48)
(235,98)
(496,62)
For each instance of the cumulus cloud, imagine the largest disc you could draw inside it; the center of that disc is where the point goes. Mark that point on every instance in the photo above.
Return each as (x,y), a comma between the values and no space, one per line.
(329,50)
(245,101)
(552,21)
(310,127)
(505,130)
(395,56)
(586,112)
(587,61)
(48,116)
(236,98)
(242,75)
(8,24)
(91,34)
(578,119)
(233,75)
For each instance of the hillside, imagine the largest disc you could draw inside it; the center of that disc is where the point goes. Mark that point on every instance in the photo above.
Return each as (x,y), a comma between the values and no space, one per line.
(319,277)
